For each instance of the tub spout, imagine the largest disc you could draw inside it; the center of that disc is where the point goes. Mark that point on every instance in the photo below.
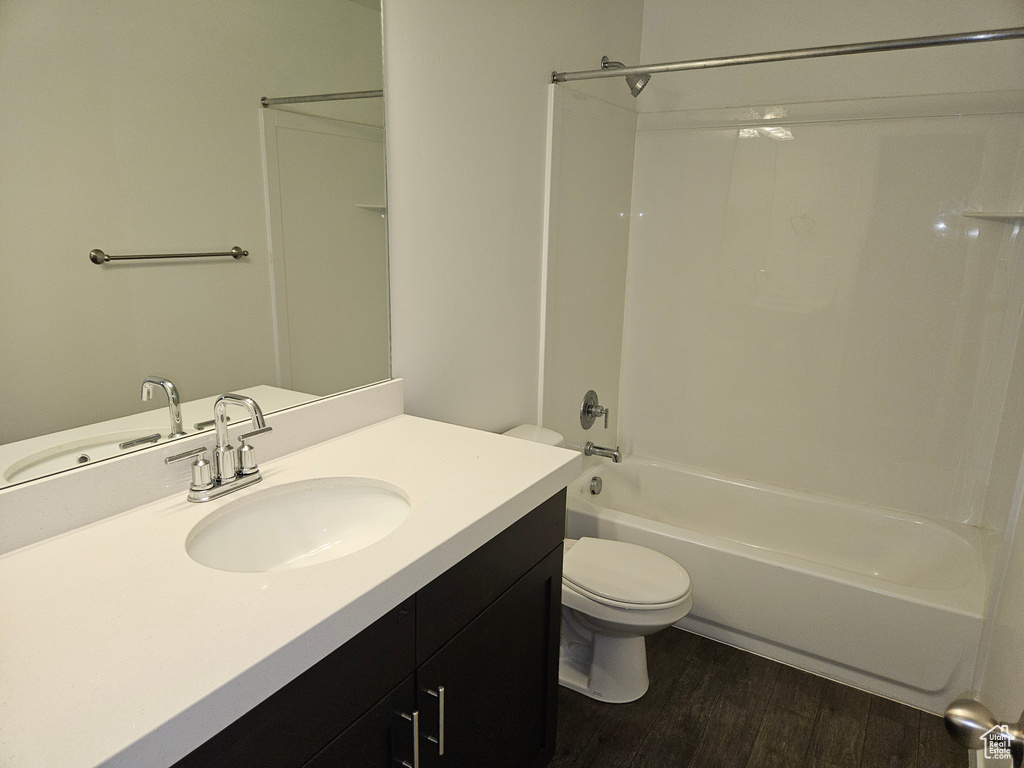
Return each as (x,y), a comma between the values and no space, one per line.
(609,453)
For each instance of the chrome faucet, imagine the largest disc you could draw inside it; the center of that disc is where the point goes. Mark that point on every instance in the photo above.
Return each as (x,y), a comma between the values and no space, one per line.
(227,466)
(232,468)
(609,453)
(173,401)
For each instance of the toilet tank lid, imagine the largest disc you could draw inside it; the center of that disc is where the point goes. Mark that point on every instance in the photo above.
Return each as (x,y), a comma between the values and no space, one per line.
(536,434)
(627,573)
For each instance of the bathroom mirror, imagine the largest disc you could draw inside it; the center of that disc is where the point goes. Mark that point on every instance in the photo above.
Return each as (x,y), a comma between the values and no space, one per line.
(136,128)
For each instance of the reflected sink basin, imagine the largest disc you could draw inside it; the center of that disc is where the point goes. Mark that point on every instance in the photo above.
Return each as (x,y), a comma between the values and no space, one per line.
(72,454)
(296,525)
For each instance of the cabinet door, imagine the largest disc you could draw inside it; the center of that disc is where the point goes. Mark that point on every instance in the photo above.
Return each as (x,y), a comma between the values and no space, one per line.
(500,678)
(450,602)
(297,722)
(382,738)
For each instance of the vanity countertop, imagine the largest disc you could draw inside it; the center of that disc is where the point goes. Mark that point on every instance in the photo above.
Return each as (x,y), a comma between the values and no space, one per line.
(117,649)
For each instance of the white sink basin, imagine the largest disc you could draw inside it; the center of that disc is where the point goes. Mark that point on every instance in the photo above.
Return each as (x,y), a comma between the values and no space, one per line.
(298,524)
(71,454)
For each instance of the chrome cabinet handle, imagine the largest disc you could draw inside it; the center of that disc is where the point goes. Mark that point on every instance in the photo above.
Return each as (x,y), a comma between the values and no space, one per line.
(415,719)
(439,695)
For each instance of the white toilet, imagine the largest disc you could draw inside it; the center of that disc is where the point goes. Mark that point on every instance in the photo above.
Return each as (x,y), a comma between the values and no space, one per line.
(613,594)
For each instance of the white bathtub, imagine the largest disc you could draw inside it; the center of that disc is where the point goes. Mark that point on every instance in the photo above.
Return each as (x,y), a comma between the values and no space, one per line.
(888,602)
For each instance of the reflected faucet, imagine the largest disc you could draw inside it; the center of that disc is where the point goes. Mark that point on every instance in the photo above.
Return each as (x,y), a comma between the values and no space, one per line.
(173,401)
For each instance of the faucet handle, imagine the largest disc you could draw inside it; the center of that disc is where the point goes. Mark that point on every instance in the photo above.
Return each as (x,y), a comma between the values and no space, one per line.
(186,455)
(202,470)
(247,435)
(247,454)
(591,411)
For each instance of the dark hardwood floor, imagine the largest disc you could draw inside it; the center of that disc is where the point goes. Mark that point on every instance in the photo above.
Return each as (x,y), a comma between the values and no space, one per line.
(713,706)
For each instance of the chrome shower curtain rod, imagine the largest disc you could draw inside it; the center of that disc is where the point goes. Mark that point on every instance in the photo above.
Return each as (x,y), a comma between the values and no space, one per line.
(905,43)
(321,97)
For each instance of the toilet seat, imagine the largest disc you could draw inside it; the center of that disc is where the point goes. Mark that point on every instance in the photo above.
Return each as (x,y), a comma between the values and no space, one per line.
(619,603)
(623,575)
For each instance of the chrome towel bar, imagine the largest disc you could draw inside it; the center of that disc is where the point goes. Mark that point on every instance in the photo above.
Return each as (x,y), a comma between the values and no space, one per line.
(96,256)
(269,102)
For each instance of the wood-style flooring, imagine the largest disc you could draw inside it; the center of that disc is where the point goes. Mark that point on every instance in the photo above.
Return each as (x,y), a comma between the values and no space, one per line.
(713,706)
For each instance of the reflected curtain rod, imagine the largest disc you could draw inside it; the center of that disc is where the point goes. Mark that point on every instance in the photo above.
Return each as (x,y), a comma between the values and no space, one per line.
(321,97)
(905,43)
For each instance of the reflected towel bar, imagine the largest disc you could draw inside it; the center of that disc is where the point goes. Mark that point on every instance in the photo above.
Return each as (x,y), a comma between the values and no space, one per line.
(96,256)
(266,102)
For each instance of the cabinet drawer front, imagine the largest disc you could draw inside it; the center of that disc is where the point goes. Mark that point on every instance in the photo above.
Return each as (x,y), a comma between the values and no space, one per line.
(461,593)
(382,738)
(294,724)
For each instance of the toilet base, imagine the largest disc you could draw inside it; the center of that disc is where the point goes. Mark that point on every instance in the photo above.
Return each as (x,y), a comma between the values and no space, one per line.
(605,668)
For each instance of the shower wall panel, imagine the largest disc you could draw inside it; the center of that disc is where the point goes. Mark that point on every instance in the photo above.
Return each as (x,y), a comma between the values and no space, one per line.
(806,305)
(673,31)
(591,158)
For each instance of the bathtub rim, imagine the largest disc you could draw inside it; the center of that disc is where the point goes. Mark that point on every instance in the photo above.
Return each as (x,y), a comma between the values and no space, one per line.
(968,598)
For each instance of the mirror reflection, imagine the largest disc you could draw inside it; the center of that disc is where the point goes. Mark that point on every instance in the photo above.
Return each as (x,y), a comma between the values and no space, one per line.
(136,128)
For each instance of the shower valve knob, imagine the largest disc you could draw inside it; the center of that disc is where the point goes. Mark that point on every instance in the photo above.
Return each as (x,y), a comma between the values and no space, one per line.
(591,411)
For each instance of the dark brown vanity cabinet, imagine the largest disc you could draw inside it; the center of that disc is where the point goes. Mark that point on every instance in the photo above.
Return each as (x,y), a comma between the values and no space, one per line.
(470,663)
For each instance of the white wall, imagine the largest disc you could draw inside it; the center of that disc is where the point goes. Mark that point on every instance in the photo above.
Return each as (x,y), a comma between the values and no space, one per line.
(467,114)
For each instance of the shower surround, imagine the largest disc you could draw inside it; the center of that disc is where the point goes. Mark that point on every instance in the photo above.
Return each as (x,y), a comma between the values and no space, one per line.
(809,315)
(826,318)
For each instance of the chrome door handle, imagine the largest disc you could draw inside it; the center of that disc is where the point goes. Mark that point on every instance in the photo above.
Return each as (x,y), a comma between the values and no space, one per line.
(972,725)
(439,695)
(414,718)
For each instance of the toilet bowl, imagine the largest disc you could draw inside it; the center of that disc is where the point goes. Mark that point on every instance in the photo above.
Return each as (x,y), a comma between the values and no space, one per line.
(613,595)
